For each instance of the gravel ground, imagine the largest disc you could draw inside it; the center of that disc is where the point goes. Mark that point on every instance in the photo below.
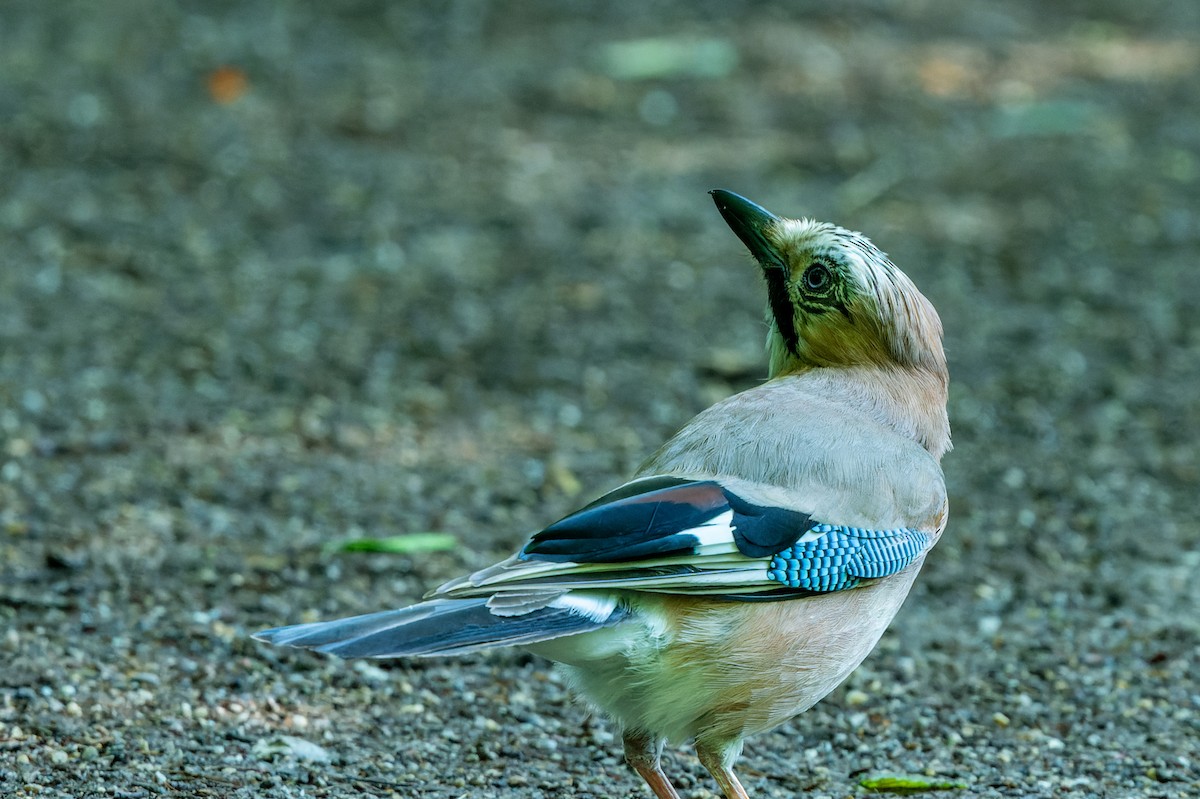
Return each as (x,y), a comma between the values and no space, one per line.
(273,275)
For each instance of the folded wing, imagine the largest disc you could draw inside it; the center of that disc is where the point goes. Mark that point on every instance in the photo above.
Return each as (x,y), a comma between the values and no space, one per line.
(659,534)
(670,535)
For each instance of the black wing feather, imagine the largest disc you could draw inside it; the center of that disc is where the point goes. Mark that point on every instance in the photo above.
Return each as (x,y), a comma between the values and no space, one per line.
(653,518)
(626,525)
(761,531)
(636,488)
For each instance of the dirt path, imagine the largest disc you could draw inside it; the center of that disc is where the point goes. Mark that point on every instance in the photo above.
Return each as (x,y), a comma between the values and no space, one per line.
(273,276)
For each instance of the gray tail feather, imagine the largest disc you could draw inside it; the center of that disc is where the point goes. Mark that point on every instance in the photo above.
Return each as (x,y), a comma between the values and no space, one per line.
(436,627)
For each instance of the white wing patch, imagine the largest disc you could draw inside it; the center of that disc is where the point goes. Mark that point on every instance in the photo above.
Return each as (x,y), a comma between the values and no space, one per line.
(717,530)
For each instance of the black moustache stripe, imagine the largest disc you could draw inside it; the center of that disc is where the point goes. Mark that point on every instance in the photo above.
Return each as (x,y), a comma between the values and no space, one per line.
(781,308)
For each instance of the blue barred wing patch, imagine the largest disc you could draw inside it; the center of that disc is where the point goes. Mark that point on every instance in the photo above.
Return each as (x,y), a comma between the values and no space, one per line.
(831,557)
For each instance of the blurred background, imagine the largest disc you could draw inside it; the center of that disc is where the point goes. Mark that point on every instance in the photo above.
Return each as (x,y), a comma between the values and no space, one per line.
(278,275)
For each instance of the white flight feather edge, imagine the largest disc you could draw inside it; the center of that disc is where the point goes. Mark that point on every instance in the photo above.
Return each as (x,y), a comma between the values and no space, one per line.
(708,581)
(708,574)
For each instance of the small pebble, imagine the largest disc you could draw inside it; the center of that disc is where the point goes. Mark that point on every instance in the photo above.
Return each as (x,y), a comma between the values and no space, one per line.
(989,625)
(370,672)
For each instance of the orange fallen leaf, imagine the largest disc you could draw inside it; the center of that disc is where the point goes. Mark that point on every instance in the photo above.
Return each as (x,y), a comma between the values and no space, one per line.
(226,84)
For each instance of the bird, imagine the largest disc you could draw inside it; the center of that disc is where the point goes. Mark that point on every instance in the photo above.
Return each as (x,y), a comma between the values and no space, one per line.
(753,561)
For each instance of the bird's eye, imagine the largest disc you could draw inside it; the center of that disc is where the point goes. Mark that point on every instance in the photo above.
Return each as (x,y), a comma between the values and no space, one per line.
(816,277)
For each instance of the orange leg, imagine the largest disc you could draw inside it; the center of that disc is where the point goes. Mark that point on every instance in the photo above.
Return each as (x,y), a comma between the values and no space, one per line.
(644,755)
(718,760)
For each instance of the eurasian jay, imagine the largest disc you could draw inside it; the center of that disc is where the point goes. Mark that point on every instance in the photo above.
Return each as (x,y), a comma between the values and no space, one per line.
(757,557)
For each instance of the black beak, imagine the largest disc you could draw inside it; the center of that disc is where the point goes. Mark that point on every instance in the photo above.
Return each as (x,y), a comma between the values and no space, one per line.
(750,221)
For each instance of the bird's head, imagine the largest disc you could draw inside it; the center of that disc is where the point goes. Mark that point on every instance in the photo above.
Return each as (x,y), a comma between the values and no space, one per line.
(834,299)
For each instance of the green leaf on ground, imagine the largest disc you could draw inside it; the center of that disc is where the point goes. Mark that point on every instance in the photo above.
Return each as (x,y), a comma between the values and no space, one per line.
(905,784)
(401,544)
